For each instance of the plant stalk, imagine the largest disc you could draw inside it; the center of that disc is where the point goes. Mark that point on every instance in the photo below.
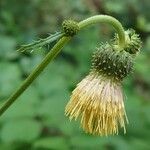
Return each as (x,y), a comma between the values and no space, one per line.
(106,19)
(55,51)
(48,58)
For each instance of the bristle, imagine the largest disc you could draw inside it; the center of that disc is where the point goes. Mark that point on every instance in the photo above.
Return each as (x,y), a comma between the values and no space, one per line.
(99,103)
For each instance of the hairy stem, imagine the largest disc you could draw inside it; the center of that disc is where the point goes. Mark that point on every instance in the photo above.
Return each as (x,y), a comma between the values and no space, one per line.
(57,48)
(50,56)
(106,19)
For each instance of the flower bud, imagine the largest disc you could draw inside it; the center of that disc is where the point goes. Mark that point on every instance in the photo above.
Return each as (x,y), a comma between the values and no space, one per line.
(70,27)
(98,99)
(133,41)
(112,63)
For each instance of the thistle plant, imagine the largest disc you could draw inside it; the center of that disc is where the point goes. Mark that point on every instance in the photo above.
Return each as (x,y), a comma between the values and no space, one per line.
(97,101)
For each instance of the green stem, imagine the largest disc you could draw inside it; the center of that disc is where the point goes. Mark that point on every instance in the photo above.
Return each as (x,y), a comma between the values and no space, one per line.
(56,49)
(106,19)
(50,56)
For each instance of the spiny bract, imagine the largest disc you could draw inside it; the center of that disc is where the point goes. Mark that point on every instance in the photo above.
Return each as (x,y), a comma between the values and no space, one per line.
(111,62)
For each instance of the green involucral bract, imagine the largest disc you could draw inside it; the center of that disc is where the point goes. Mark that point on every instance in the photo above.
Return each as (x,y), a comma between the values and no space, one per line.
(70,27)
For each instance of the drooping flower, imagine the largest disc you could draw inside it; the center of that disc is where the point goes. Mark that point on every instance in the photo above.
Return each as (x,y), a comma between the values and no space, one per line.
(99,102)
(98,99)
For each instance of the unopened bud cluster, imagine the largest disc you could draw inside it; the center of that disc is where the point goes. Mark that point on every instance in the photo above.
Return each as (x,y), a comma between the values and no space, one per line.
(98,99)
(113,62)
(133,41)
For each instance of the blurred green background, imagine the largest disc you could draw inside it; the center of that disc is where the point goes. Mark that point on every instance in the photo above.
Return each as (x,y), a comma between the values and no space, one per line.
(36,121)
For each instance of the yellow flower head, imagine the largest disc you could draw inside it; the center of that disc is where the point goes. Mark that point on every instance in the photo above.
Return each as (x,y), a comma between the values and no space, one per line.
(98,99)
(99,102)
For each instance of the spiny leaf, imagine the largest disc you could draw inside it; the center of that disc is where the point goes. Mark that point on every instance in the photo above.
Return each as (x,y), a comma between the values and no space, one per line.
(41,42)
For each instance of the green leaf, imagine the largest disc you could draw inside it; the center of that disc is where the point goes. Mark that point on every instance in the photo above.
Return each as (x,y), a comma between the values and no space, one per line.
(52,109)
(7,47)
(26,106)
(55,143)
(20,130)
(115,6)
(29,64)
(52,81)
(7,146)
(118,143)
(87,142)
(70,128)
(139,144)
(10,77)
(41,42)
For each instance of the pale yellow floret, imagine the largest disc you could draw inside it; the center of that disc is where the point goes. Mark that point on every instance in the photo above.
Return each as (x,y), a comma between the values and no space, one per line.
(99,103)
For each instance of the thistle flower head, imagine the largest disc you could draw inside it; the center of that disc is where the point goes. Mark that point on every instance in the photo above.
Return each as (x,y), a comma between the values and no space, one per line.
(98,100)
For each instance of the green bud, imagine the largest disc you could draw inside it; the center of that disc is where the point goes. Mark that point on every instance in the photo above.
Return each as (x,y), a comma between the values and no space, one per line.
(111,62)
(133,41)
(70,27)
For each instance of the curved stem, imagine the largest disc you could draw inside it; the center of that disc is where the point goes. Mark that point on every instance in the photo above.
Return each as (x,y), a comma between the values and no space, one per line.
(56,49)
(50,56)
(106,19)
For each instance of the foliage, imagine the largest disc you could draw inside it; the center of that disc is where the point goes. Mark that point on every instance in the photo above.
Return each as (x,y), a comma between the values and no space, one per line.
(36,121)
